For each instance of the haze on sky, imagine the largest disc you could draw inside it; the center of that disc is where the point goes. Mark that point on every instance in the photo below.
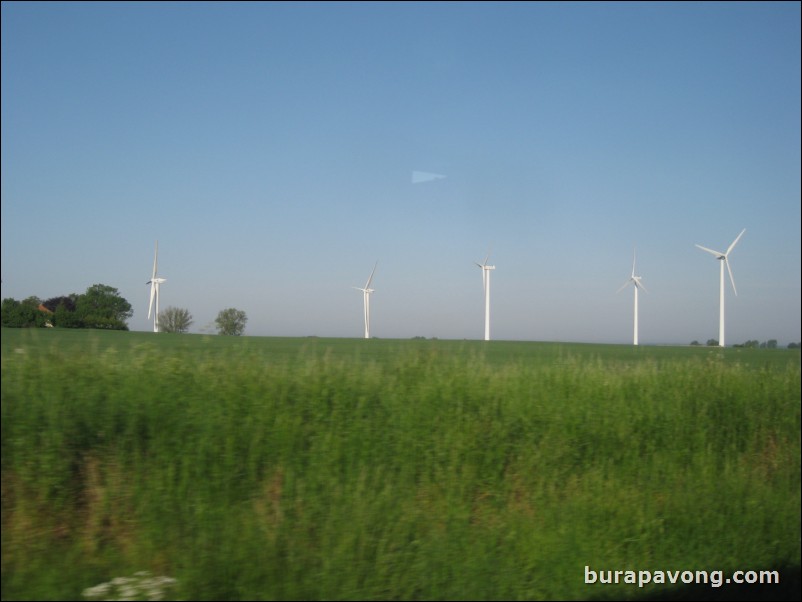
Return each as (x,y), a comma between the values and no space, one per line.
(277,151)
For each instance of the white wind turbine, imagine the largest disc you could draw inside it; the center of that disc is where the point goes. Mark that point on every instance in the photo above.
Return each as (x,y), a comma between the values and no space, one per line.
(366,291)
(154,283)
(486,282)
(723,258)
(636,284)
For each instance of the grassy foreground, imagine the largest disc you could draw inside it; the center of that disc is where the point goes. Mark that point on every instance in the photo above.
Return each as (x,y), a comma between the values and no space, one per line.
(308,469)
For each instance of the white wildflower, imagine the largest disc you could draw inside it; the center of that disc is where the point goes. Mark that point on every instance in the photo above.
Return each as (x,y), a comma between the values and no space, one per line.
(142,586)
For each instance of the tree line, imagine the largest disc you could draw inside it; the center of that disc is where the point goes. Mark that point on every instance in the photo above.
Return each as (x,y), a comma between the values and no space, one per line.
(102,306)
(755,344)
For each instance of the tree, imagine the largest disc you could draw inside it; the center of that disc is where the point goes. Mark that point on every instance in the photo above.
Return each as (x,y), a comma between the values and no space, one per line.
(63,311)
(23,314)
(64,317)
(771,343)
(231,321)
(101,306)
(175,319)
(695,343)
(55,302)
(712,343)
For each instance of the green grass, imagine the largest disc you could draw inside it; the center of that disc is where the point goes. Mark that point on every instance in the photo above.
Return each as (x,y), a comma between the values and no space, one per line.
(266,468)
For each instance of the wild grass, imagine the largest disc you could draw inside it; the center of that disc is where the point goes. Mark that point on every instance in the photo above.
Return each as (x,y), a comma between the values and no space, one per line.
(311,469)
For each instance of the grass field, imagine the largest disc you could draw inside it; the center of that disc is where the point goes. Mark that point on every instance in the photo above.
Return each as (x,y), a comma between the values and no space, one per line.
(307,469)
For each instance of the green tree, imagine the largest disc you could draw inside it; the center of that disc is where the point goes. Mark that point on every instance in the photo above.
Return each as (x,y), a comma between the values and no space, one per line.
(231,321)
(175,319)
(55,302)
(101,306)
(712,343)
(63,308)
(64,317)
(23,314)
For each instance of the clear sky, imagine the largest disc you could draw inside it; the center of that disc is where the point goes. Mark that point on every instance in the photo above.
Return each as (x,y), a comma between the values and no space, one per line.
(277,150)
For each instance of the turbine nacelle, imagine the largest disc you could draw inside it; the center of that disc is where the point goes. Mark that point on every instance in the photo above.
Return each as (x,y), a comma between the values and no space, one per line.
(484,265)
(725,258)
(635,280)
(485,268)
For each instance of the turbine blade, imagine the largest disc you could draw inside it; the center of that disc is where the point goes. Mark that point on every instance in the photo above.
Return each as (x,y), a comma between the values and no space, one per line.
(732,280)
(367,285)
(624,286)
(716,253)
(639,284)
(152,294)
(155,259)
(734,242)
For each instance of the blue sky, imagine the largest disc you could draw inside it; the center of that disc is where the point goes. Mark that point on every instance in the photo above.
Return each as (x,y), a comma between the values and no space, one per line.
(271,150)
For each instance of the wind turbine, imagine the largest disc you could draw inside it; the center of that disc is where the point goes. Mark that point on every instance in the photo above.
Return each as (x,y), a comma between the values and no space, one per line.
(366,291)
(723,258)
(486,282)
(636,284)
(154,283)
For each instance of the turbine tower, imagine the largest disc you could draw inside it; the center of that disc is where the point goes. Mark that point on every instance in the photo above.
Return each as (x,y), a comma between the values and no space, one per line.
(486,282)
(724,259)
(154,283)
(636,284)
(366,291)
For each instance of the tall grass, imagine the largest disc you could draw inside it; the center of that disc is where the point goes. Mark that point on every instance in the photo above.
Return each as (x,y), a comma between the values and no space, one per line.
(431,470)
